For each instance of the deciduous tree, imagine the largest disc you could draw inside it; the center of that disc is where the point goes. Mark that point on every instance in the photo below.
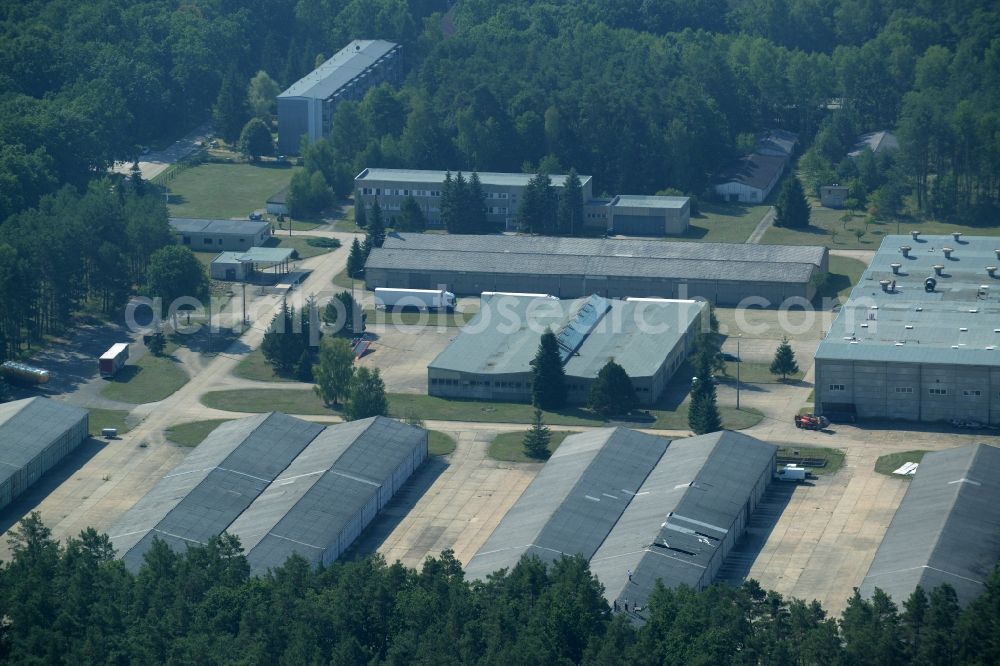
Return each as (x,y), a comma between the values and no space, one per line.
(334,370)
(366,395)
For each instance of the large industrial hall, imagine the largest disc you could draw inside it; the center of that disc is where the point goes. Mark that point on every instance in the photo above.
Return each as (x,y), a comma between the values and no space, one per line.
(576,267)
(35,434)
(280,484)
(639,508)
(919,338)
(491,358)
(946,530)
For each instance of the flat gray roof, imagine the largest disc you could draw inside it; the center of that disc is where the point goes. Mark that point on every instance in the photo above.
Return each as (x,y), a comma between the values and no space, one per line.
(335,73)
(641,201)
(956,324)
(184,225)
(629,501)
(947,528)
(279,483)
(504,335)
(28,427)
(428,177)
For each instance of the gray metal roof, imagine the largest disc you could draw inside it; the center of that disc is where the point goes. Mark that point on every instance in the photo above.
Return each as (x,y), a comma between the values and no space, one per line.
(345,65)
(578,266)
(615,496)
(912,325)
(279,483)
(947,528)
(778,140)
(629,248)
(184,225)
(28,427)
(754,170)
(504,335)
(877,142)
(645,201)
(433,178)
(324,489)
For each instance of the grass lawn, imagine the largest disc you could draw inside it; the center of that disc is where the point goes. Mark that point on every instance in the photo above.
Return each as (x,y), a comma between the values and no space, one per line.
(724,222)
(827,227)
(440,444)
(508,446)
(304,401)
(193,433)
(893,461)
(346,222)
(222,191)
(150,379)
(413,318)
(298,243)
(254,366)
(107,418)
(754,373)
(342,280)
(834,457)
(844,274)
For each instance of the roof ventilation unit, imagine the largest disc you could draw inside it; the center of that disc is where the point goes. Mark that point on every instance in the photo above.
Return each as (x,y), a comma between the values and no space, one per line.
(895,268)
(957,235)
(991,271)
(915,235)
(947,252)
(905,249)
(938,268)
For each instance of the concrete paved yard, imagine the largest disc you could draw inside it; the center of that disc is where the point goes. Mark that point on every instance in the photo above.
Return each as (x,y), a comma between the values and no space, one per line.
(455,504)
(402,353)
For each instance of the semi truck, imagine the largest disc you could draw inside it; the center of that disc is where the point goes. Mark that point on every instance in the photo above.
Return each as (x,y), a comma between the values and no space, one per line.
(19,373)
(420,299)
(113,360)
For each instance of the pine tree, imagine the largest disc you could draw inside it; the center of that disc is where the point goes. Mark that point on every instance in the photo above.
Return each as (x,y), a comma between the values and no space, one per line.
(612,392)
(376,228)
(792,209)
(356,260)
(537,439)
(304,368)
(360,211)
(230,109)
(345,315)
(282,346)
(457,221)
(446,204)
(703,412)
(784,363)
(477,216)
(411,218)
(569,217)
(537,211)
(548,380)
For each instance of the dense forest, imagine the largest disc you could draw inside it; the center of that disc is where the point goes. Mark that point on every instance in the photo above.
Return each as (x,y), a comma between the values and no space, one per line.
(75,603)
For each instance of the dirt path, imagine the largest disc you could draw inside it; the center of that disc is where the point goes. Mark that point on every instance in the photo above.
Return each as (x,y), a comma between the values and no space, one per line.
(762,226)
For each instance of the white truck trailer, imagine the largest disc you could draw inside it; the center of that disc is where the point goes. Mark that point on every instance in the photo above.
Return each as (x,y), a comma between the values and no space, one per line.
(420,299)
(486,295)
(113,360)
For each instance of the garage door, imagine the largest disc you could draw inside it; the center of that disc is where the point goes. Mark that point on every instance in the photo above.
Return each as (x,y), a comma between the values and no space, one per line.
(639,225)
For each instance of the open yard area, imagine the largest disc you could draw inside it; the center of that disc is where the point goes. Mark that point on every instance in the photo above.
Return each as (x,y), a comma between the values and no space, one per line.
(224,190)
(509,446)
(150,379)
(829,227)
(724,222)
(107,418)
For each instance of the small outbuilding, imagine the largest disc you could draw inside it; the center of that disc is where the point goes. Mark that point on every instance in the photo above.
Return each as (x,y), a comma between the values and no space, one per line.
(277,204)
(239,266)
(633,215)
(749,179)
(35,434)
(833,196)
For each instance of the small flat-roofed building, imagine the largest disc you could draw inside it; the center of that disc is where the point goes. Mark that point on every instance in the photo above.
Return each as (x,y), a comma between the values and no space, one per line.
(490,358)
(233,266)
(280,484)
(35,434)
(635,503)
(749,179)
(905,348)
(634,215)
(946,530)
(306,108)
(503,191)
(203,235)
(833,196)
(723,273)
(277,204)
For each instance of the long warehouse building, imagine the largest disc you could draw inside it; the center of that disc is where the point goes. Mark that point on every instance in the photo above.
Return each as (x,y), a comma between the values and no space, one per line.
(919,337)
(723,273)
(946,530)
(280,484)
(35,434)
(639,508)
(490,359)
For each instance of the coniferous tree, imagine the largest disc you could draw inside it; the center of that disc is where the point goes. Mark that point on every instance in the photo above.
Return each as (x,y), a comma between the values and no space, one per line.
(304,368)
(569,217)
(446,205)
(477,215)
(457,221)
(784,363)
(375,236)
(360,211)
(282,345)
(411,218)
(612,393)
(356,260)
(345,315)
(230,109)
(537,211)
(548,377)
(792,209)
(537,439)
(703,411)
